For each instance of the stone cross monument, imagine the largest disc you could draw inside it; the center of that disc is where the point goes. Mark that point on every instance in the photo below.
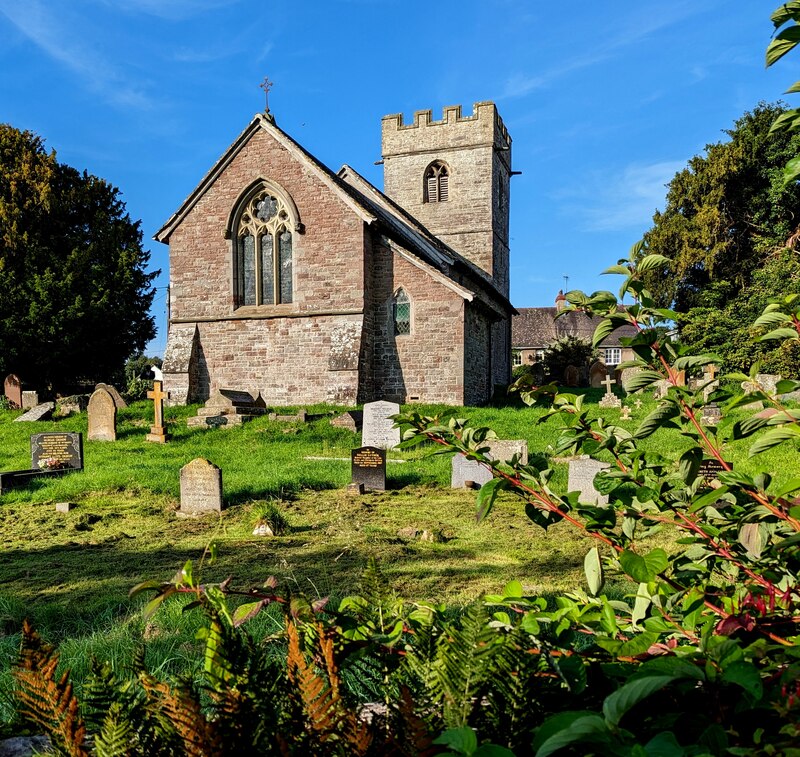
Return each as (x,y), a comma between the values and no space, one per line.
(158,395)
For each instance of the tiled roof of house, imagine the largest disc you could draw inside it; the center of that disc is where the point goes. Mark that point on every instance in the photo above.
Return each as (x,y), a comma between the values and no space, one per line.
(536,328)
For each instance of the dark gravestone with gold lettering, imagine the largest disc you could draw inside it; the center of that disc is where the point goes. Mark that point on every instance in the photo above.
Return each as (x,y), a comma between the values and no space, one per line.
(369,467)
(57,450)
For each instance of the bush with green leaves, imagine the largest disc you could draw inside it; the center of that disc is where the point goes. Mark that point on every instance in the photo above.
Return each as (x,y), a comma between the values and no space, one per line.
(566,351)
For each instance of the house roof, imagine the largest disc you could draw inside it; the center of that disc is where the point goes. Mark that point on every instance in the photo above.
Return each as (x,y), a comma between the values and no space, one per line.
(536,328)
(368,202)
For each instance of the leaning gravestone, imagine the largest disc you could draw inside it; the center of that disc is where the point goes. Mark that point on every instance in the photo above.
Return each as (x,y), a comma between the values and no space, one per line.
(201,488)
(116,396)
(581,480)
(351,420)
(102,416)
(39,413)
(502,450)
(379,429)
(12,387)
(368,465)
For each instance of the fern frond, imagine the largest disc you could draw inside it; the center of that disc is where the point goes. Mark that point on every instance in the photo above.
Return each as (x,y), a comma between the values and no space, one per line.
(46,700)
(114,738)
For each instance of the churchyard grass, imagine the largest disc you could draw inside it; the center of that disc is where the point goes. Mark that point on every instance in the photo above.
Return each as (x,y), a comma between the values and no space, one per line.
(71,572)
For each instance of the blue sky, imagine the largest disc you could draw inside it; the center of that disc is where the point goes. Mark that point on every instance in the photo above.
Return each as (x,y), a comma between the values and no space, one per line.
(604,101)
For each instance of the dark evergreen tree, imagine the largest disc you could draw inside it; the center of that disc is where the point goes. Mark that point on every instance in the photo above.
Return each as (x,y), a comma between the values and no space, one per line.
(74,290)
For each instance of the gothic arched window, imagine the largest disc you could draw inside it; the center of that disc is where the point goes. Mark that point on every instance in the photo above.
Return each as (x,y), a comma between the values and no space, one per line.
(435,187)
(263,250)
(401,313)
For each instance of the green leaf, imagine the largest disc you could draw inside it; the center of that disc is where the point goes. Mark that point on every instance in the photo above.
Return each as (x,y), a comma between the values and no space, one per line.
(620,269)
(789,11)
(461,740)
(750,539)
(771,319)
(664,744)
(487,495)
(746,675)
(641,379)
(568,728)
(637,645)
(785,333)
(641,604)
(782,44)
(608,620)
(155,603)
(788,488)
(648,262)
(513,589)
(633,692)
(659,417)
(644,568)
(492,750)
(246,611)
(773,438)
(593,569)
(604,328)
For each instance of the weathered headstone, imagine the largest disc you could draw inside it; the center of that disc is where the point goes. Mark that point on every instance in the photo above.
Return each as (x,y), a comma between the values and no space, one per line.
(102,417)
(352,420)
(581,479)
(53,450)
(661,388)
(117,397)
(379,429)
(626,374)
(571,376)
(501,450)
(12,388)
(609,399)
(638,403)
(596,374)
(711,413)
(30,399)
(201,488)
(368,466)
(39,413)
(626,414)
(710,382)
(157,431)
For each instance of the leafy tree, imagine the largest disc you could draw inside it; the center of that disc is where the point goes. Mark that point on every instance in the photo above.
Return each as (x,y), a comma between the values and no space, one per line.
(566,351)
(724,229)
(76,294)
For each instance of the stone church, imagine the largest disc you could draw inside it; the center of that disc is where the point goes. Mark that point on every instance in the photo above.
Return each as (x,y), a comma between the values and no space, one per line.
(306,286)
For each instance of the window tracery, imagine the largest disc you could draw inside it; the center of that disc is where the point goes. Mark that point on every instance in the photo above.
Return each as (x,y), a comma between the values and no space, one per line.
(437,183)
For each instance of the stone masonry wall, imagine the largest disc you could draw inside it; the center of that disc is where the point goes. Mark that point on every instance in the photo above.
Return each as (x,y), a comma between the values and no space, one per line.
(426,365)
(303,352)
(477,363)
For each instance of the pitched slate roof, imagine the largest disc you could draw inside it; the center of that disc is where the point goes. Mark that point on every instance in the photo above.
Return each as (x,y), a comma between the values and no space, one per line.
(372,205)
(536,328)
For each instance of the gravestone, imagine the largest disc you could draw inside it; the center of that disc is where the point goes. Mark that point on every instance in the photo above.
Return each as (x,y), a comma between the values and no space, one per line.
(571,376)
(116,396)
(102,417)
(501,450)
(228,407)
(29,399)
(626,374)
(596,374)
(626,414)
(710,382)
(711,414)
(352,421)
(368,468)
(157,430)
(201,488)
(638,403)
(378,429)
(581,479)
(39,413)
(75,403)
(609,398)
(12,388)
(661,388)
(54,450)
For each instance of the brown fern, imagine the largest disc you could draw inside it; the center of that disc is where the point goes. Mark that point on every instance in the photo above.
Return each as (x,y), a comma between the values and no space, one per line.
(45,700)
(413,731)
(181,709)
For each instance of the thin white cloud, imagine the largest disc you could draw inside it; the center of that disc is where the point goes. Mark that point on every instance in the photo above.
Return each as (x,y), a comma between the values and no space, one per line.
(170,10)
(620,202)
(68,44)
(634,32)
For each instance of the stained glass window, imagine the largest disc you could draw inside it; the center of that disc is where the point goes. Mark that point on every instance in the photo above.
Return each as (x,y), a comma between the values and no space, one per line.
(264,272)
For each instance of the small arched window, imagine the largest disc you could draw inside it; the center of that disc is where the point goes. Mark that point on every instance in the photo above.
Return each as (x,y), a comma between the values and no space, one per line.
(263,242)
(436,187)
(401,313)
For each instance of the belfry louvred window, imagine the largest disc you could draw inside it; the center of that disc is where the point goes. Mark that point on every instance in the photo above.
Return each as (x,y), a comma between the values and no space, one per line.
(264,252)
(436,187)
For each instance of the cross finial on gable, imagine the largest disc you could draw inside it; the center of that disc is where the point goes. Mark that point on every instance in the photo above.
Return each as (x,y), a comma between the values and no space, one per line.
(266,85)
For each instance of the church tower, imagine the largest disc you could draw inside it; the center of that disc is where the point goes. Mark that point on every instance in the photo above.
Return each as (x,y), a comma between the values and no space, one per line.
(453,175)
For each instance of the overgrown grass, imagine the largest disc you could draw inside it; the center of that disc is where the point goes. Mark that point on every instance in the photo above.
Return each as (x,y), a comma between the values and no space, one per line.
(70,573)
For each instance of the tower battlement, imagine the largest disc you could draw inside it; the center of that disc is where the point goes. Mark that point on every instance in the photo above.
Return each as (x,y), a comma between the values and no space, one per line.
(483,126)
